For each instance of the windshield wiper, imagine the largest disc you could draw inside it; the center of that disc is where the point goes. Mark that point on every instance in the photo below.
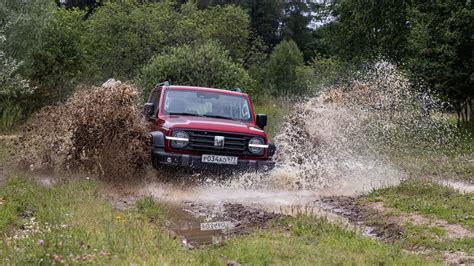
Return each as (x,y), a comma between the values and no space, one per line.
(219,116)
(184,113)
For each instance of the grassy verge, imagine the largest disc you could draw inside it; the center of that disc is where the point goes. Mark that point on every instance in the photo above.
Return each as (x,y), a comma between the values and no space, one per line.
(433,201)
(452,161)
(430,199)
(71,223)
(422,237)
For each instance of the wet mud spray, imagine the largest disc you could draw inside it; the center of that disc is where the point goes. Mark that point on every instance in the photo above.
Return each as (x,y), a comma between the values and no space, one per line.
(350,138)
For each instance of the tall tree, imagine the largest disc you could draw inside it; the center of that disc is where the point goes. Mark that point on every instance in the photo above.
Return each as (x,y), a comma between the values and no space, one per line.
(265,15)
(364,29)
(295,24)
(441,51)
(57,64)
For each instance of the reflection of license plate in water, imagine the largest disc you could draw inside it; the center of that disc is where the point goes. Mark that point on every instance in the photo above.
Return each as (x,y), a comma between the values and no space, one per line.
(215,226)
(217,159)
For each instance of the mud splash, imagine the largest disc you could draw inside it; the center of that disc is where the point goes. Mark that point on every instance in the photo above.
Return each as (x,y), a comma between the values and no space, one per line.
(98,130)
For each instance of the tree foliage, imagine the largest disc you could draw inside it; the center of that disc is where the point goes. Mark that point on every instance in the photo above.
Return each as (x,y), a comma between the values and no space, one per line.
(207,65)
(295,21)
(282,65)
(13,90)
(432,39)
(58,62)
(440,51)
(122,37)
(369,28)
(13,86)
(228,25)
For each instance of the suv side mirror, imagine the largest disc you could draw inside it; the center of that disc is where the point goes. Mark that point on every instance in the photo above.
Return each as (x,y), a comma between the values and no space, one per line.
(149,110)
(261,120)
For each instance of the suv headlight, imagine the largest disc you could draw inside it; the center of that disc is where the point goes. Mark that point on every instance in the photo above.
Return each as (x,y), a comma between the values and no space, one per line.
(179,139)
(256,145)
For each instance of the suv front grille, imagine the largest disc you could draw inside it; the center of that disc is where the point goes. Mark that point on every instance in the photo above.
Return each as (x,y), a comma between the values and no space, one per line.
(203,141)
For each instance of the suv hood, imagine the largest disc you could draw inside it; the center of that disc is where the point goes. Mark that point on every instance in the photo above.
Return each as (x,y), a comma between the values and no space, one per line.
(209,123)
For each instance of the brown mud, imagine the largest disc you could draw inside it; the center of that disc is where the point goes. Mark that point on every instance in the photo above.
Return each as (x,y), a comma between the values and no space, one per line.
(383,223)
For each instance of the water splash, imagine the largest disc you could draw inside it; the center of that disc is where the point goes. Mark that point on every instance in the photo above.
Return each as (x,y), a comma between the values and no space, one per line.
(369,132)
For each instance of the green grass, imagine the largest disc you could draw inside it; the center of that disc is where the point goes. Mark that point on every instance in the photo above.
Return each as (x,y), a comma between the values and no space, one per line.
(276,110)
(430,199)
(4,152)
(310,241)
(71,222)
(150,209)
(72,218)
(418,236)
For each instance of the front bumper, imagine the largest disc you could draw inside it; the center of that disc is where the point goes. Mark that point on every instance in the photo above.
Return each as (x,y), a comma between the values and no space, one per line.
(162,158)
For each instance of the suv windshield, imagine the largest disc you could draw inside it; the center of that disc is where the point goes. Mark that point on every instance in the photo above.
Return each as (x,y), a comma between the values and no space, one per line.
(205,103)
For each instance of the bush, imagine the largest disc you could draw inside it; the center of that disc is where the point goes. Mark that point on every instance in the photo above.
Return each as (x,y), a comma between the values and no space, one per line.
(321,73)
(281,69)
(13,89)
(58,61)
(207,65)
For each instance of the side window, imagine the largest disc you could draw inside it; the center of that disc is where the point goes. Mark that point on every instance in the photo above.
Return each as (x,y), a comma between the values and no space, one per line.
(154,97)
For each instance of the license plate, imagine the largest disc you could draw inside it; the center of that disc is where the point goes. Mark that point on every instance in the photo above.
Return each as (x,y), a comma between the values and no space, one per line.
(218,159)
(215,226)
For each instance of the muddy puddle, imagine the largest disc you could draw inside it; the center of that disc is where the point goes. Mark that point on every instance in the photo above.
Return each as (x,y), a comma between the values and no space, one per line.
(195,230)
(197,224)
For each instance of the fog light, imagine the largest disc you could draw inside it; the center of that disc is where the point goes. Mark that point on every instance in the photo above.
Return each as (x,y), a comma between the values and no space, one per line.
(169,160)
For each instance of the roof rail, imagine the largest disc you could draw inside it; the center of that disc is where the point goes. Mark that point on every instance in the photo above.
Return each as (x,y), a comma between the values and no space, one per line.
(236,89)
(164,83)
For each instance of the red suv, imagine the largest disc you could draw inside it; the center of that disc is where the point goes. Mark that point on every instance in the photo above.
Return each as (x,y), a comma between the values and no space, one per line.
(205,128)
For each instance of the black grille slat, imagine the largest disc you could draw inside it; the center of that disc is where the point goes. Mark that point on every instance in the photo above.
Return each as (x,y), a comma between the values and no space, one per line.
(206,147)
(203,141)
(212,136)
